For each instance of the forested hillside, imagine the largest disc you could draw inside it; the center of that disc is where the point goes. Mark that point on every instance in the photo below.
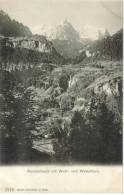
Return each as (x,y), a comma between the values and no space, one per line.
(9,27)
(109,47)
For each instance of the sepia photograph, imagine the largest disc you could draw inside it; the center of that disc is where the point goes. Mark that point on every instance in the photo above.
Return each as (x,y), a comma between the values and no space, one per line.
(61,82)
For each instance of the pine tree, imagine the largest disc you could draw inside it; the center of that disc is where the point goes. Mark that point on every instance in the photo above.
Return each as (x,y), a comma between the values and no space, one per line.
(16,121)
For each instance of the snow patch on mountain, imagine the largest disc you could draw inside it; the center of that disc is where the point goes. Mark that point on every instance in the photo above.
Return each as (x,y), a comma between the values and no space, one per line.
(66,31)
(47,30)
(63,31)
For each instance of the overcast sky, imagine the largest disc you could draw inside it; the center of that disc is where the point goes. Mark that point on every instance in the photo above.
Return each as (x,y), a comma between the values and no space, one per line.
(99,14)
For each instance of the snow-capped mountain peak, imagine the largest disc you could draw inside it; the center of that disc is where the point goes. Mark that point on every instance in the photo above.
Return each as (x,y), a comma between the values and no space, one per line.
(64,31)
(46,30)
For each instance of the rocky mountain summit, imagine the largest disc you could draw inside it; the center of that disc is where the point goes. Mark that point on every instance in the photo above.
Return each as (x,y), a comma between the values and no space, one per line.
(63,31)
(65,38)
(66,31)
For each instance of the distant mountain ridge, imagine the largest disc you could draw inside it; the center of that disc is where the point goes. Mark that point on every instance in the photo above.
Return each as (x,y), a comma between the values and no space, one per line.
(72,44)
(63,31)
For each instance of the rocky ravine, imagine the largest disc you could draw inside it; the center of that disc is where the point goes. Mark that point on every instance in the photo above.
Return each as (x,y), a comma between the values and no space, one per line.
(75,110)
(82,99)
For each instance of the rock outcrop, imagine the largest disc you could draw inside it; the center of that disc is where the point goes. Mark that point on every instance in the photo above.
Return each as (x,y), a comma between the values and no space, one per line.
(27,52)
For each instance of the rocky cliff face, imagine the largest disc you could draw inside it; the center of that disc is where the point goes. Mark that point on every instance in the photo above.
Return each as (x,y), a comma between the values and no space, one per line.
(106,90)
(24,53)
(40,45)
